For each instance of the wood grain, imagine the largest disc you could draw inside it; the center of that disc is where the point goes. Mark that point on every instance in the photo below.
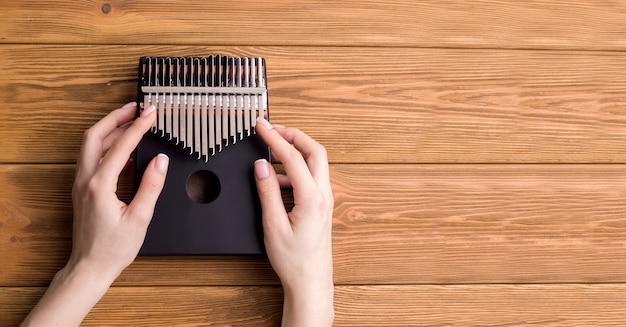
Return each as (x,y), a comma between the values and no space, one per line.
(423,305)
(393,224)
(597,24)
(414,106)
(406,224)
(165,306)
(477,154)
(481,305)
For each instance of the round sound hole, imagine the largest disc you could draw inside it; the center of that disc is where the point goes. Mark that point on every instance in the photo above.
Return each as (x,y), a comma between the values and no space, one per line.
(203,186)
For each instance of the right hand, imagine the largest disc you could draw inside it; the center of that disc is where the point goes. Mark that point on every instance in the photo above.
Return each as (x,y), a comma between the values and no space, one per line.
(298,243)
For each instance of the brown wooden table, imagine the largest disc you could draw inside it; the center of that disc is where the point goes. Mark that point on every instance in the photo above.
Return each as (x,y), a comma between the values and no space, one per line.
(477,149)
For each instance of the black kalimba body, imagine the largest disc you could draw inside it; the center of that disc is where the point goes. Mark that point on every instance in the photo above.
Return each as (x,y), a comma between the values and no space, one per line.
(206,112)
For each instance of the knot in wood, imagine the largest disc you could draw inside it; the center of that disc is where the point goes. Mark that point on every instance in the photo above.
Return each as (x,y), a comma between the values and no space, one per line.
(106,8)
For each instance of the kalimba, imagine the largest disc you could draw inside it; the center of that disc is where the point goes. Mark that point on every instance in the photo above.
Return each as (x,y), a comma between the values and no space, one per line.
(206,113)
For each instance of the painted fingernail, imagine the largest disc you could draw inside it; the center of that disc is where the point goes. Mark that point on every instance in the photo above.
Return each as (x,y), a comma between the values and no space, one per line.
(264,122)
(162,161)
(261,169)
(148,110)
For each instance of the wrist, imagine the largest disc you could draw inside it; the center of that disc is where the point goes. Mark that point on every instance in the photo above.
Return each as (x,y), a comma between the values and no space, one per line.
(97,267)
(308,305)
(74,290)
(87,275)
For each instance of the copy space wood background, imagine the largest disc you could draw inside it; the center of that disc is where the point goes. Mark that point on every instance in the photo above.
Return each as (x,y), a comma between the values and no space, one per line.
(477,148)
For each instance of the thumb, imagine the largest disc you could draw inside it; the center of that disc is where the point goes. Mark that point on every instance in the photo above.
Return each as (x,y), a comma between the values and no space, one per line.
(274,214)
(142,206)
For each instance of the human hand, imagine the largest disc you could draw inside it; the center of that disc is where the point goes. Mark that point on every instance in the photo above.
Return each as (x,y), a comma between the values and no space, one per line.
(298,243)
(107,232)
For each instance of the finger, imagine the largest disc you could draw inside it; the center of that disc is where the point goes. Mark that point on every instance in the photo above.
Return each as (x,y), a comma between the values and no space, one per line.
(313,152)
(283,181)
(293,162)
(142,205)
(274,159)
(110,139)
(274,215)
(92,148)
(114,161)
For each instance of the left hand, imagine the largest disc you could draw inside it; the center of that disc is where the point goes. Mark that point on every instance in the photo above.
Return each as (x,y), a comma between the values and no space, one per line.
(107,232)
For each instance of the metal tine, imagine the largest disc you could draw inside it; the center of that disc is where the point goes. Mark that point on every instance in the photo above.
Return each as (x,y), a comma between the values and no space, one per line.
(146,81)
(203,113)
(246,69)
(155,99)
(233,101)
(253,99)
(211,102)
(189,106)
(168,104)
(176,103)
(263,83)
(226,103)
(239,102)
(160,119)
(218,106)
(155,95)
(183,105)
(182,131)
(196,109)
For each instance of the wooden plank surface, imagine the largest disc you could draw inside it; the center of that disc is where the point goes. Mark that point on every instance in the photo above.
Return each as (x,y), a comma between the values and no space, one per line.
(413,105)
(393,224)
(170,306)
(422,305)
(595,24)
(478,152)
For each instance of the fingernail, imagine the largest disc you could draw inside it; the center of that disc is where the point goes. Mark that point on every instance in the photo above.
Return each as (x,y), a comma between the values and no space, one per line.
(130,104)
(162,161)
(148,110)
(278,126)
(264,122)
(261,169)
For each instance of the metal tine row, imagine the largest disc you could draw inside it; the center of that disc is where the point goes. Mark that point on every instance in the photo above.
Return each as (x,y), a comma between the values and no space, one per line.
(203,123)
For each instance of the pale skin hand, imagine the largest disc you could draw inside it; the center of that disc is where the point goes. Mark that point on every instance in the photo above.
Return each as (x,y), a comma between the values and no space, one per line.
(107,232)
(298,243)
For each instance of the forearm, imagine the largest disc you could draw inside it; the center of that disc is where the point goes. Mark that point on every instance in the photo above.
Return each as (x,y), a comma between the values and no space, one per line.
(69,298)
